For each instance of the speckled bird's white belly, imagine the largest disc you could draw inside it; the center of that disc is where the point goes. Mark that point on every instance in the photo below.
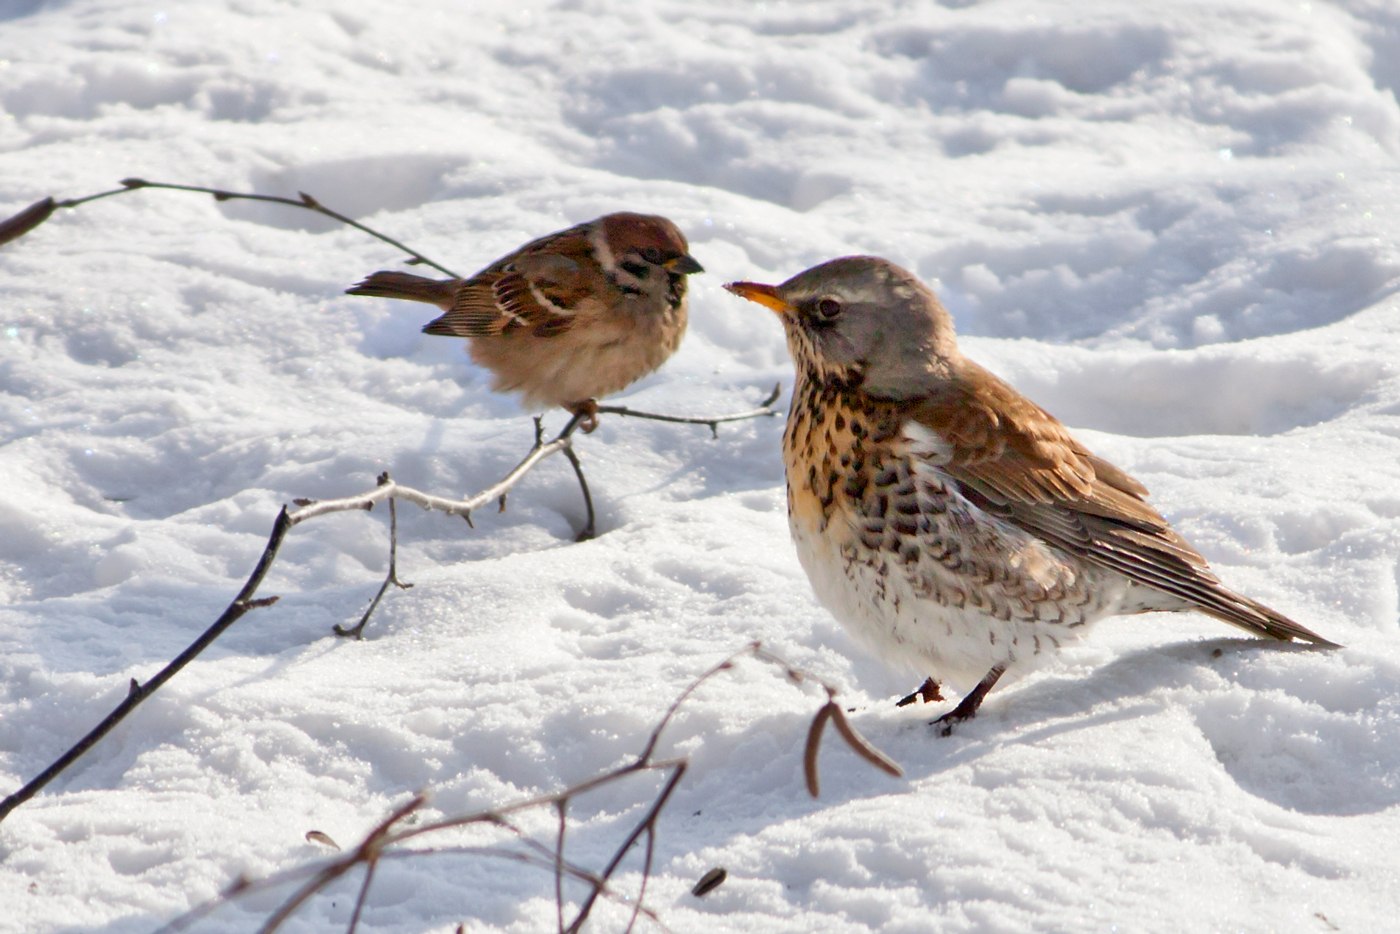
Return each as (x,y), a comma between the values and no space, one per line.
(935,585)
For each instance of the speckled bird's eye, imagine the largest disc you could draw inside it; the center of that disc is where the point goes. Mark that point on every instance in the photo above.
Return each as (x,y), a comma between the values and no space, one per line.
(828,308)
(651,254)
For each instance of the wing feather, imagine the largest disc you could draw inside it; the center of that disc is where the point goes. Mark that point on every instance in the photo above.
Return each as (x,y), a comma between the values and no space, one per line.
(540,287)
(1016,461)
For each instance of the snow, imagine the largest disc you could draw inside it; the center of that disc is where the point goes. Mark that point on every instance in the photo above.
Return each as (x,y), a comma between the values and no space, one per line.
(1174,225)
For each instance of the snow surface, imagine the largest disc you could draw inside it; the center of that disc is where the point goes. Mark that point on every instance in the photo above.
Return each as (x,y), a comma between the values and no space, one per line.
(1174,225)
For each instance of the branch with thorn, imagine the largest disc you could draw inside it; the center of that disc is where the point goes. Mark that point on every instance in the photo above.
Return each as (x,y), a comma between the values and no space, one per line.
(389,838)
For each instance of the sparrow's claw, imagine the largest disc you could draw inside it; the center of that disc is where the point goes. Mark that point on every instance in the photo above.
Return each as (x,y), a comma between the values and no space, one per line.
(587,414)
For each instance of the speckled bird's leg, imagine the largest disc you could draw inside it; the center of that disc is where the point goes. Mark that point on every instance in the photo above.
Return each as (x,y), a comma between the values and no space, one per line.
(967,707)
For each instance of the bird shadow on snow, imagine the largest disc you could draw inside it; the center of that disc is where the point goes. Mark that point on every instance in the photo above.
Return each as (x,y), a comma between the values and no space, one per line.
(1301,728)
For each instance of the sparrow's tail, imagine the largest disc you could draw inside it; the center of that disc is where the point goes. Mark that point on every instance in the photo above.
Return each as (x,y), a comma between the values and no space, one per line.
(407,286)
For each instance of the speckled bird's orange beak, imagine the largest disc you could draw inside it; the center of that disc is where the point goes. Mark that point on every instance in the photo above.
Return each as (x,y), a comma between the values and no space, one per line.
(766,295)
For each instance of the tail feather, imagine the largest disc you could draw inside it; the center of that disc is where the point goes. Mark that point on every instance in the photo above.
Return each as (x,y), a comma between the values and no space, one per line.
(1251,615)
(407,286)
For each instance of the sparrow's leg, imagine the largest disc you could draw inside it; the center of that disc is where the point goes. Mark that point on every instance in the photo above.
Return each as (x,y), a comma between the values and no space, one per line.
(928,692)
(967,707)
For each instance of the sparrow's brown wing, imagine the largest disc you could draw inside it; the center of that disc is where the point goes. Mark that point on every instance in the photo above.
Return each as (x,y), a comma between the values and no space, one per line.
(1017,462)
(538,288)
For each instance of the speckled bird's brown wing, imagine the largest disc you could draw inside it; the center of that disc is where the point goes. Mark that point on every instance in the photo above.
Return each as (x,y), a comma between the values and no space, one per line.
(1017,462)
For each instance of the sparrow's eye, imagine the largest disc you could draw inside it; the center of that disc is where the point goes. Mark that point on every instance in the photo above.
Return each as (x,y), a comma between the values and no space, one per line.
(828,309)
(652,255)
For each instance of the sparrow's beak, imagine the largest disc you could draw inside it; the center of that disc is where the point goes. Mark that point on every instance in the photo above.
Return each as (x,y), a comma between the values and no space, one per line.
(766,295)
(684,264)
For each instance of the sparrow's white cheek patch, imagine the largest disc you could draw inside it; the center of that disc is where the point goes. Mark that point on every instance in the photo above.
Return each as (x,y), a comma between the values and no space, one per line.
(923,442)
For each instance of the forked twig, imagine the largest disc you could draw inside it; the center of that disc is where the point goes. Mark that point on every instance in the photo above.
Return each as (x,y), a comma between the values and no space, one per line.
(859,744)
(391,578)
(368,852)
(389,837)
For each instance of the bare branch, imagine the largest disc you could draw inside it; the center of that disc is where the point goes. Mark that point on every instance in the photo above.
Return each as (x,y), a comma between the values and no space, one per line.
(647,824)
(561,807)
(862,746)
(589,526)
(391,578)
(453,507)
(764,409)
(367,852)
(34,215)
(647,860)
(362,896)
(137,693)
(388,838)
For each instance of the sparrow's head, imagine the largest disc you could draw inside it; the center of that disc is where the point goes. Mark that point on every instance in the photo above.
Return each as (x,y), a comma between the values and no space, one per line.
(643,251)
(864,321)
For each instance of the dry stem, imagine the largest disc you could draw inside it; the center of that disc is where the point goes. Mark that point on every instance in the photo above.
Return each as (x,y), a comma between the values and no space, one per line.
(389,837)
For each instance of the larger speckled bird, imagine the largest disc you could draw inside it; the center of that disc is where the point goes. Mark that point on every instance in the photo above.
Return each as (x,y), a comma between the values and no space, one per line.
(943,518)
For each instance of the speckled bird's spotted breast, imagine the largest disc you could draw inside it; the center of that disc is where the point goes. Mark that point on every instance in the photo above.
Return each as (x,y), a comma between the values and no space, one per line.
(827,450)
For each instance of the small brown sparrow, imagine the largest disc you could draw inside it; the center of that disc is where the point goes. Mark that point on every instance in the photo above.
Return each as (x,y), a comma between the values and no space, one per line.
(569,317)
(945,519)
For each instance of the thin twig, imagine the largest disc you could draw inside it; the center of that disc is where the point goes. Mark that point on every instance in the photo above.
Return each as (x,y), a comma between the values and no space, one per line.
(311,509)
(34,215)
(242,887)
(139,692)
(391,578)
(859,744)
(764,409)
(590,523)
(810,749)
(560,806)
(367,852)
(647,822)
(362,897)
(647,860)
(388,839)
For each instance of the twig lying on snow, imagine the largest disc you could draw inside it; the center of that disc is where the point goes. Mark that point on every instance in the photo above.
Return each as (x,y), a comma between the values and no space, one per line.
(387,840)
